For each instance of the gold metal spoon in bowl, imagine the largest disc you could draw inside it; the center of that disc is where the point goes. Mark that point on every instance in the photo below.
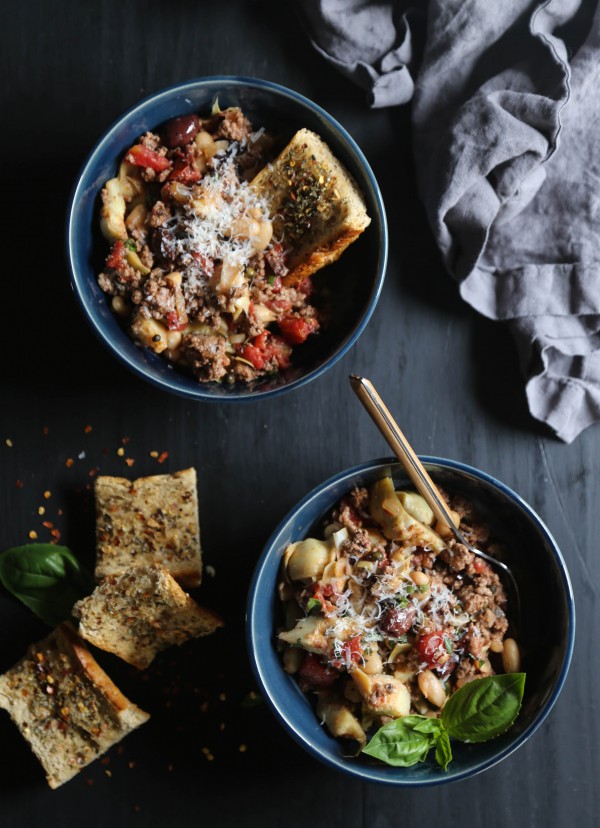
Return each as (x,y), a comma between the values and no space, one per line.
(386,424)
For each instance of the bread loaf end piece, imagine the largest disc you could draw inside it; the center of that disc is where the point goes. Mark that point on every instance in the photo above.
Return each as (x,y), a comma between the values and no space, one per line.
(317,206)
(65,705)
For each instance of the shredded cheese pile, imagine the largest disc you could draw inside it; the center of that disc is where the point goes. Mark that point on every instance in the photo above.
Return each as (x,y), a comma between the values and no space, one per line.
(206,231)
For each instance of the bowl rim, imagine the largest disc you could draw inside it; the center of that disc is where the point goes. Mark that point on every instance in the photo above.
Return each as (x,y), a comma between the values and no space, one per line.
(373,774)
(78,279)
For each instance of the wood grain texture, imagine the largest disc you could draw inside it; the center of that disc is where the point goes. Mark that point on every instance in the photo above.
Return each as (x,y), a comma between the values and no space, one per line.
(451,379)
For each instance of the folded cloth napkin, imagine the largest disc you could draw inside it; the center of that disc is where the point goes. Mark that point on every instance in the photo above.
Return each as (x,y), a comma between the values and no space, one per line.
(506,123)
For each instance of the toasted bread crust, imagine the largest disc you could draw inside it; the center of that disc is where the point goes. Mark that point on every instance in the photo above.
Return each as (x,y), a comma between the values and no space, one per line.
(149,520)
(65,705)
(318,207)
(140,612)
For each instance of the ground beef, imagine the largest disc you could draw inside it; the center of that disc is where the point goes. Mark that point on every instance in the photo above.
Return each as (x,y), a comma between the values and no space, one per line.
(120,283)
(275,258)
(357,545)
(159,214)
(457,556)
(233,125)
(158,295)
(205,355)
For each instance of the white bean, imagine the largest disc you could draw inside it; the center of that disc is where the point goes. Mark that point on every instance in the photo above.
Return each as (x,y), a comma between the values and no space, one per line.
(432,688)
(373,664)
(511,656)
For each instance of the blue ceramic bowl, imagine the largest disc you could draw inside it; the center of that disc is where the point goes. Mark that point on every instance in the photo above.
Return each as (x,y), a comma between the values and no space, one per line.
(546,637)
(355,281)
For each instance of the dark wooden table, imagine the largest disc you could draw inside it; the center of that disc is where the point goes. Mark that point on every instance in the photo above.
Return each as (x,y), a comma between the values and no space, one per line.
(451,377)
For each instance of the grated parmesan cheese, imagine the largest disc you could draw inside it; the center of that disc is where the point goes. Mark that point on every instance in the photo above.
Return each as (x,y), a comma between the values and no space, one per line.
(203,229)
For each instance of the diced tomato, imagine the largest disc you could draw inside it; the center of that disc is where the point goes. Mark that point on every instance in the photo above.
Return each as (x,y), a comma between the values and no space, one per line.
(353,649)
(279,349)
(297,329)
(266,347)
(479,565)
(143,156)
(184,169)
(279,304)
(432,649)
(253,355)
(322,593)
(116,257)
(315,672)
(174,322)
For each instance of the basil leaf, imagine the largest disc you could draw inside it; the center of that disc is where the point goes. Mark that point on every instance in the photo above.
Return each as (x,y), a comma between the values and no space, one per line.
(443,751)
(485,708)
(313,603)
(401,743)
(47,578)
(427,725)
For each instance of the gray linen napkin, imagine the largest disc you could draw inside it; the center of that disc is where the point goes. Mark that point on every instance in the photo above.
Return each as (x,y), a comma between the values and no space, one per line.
(506,127)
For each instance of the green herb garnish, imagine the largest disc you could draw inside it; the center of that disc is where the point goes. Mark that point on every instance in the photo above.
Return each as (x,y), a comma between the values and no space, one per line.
(313,603)
(271,280)
(47,578)
(477,712)
(130,245)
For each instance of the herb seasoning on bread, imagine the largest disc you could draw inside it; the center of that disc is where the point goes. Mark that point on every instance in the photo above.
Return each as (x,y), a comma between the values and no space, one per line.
(151,520)
(137,614)
(65,705)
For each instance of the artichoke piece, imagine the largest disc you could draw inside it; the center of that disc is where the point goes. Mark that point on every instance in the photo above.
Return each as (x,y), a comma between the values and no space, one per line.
(396,523)
(134,260)
(417,506)
(383,695)
(340,721)
(112,212)
(309,633)
(131,185)
(308,559)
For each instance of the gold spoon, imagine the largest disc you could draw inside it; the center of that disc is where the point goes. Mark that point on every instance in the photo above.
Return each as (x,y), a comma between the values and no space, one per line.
(386,424)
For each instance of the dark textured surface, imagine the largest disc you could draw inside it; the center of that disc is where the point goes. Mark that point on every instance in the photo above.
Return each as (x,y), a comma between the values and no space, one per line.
(451,378)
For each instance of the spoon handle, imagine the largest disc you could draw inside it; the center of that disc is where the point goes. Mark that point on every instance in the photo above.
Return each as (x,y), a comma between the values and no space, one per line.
(386,424)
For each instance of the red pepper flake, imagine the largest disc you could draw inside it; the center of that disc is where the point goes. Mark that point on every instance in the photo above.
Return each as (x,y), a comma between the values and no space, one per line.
(55,534)
(60,512)
(163,456)
(125,440)
(131,765)
(47,494)
(87,487)
(33,535)
(90,782)
(87,429)
(48,524)
(19,484)
(45,431)
(69,462)
(93,472)
(105,761)
(130,461)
